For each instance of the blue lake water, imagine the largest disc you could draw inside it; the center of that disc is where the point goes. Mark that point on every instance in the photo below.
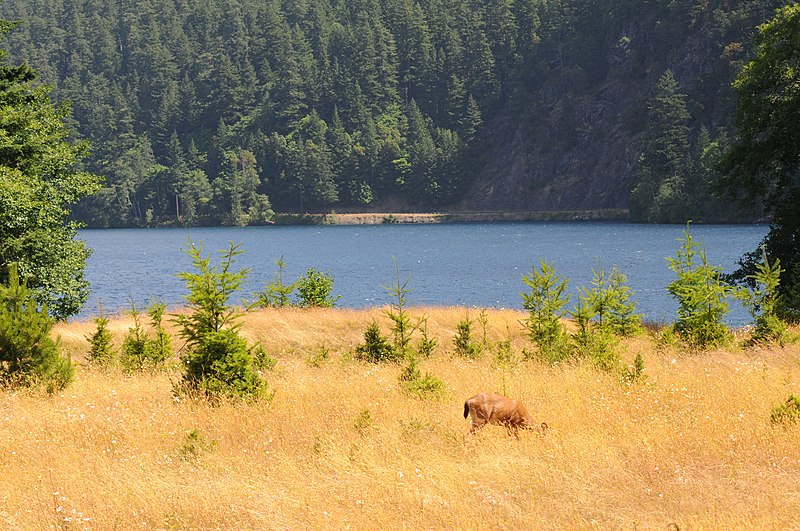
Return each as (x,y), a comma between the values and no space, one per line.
(475,265)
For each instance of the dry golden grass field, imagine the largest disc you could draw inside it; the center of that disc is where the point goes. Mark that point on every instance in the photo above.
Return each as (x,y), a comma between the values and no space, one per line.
(341,445)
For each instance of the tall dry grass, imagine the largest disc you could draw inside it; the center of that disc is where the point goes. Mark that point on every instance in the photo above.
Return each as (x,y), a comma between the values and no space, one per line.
(342,446)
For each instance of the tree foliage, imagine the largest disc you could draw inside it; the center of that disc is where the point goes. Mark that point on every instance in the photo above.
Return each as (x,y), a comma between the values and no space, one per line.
(218,362)
(545,303)
(39,180)
(332,104)
(763,162)
(702,296)
(28,355)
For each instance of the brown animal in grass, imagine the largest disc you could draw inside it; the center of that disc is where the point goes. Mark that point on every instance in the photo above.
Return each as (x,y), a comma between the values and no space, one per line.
(491,408)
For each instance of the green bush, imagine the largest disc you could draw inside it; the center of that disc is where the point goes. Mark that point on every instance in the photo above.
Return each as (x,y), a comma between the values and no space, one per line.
(139,350)
(218,361)
(322,354)
(159,348)
(428,386)
(376,347)
(134,344)
(221,366)
(636,372)
(426,343)
(101,348)
(463,343)
(592,340)
(545,304)
(762,302)
(277,293)
(787,412)
(702,296)
(314,290)
(195,445)
(622,317)
(28,355)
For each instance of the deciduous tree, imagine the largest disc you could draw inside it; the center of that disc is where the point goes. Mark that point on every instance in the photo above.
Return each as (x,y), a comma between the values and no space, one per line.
(763,163)
(39,180)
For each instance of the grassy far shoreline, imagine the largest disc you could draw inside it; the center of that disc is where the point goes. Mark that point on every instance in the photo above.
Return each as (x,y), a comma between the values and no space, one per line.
(341,444)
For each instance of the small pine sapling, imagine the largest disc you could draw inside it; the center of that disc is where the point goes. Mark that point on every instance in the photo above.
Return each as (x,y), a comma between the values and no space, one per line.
(545,305)
(635,373)
(622,317)
(787,412)
(314,290)
(592,340)
(483,320)
(701,294)
(762,302)
(504,358)
(134,345)
(320,356)
(277,293)
(28,355)
(376,348)
(159,348)
(218,362)
(426,343)
(101,348)
(401,327)
(463,343)
(410,377)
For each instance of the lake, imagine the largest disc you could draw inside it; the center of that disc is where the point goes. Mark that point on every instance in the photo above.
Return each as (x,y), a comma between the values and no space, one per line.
(473,265)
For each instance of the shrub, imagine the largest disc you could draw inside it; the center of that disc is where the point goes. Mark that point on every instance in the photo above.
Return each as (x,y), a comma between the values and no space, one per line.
(635,373)
(278,292)
(762,302)
(195,445)
(701,295)
(376,348)
(159,348)
(545,304)
(134,344)
(426,343)
(622,317)
(218,362)
(314,290)
(139,350)
(786,413)
(262,360)
(410,378)
(101,349)
(221,366)
(321,355)
(363,422)
(463,342)
(401,328)
(428,386)
(28,355)
(592,340)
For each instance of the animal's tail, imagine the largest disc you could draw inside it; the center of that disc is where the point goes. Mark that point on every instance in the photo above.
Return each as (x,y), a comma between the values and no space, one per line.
(466,410)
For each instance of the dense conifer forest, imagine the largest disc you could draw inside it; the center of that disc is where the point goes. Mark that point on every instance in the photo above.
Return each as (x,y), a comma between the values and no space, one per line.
(227,111)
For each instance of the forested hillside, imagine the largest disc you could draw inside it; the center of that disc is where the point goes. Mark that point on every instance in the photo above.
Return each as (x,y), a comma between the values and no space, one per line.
(223,111)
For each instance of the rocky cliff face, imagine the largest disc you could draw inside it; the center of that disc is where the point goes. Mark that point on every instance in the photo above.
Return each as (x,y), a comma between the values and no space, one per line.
(572,137)
(531,169)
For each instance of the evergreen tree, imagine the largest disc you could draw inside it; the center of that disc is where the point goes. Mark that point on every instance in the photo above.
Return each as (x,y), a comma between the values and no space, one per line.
(28,355)
(659,192)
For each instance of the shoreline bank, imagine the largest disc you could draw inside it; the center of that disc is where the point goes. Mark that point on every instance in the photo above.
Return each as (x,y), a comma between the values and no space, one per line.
(376,218)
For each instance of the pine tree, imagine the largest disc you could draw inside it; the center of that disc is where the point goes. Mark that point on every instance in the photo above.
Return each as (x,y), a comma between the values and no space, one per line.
(659,192)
